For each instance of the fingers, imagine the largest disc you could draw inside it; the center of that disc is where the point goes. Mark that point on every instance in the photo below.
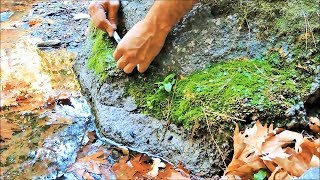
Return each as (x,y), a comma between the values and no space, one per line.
(143,67)
(122,62)
(111,7)
(117,54)
(129,68)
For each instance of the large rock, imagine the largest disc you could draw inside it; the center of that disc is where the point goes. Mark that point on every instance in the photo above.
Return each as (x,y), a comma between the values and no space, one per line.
(204,36)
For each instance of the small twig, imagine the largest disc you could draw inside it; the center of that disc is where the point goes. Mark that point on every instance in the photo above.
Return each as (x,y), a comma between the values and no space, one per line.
(168,113)
(263,75)
(311,32)
(248,44)
(212,138)
(306,31)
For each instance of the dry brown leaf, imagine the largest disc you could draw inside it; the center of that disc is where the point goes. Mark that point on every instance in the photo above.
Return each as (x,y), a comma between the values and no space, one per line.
(279,173)
(171,173)
(298,162)
(89,164)
(255,136)
(7,129)
(245,161)
(182,169)
(35,21)
(273,149)
(288,137)
(91,136)
(276,153)
(315,161)
(97,157)
(123,169)
(230,177)
(44,135)
(140,166)
(238,143)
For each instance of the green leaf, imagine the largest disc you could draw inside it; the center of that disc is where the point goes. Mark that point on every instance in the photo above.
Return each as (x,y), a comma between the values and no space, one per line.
(261,175)
(168,87)
(169,78)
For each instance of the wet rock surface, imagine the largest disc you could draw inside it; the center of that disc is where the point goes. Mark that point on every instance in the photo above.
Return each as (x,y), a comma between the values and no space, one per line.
(119,120)
(59,28)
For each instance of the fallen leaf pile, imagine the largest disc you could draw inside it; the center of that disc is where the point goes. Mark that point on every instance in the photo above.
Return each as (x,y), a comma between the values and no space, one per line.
(286,154)
(142,166)
(94,161)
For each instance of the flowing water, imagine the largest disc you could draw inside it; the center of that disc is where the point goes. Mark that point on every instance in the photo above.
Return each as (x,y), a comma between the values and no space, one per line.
(44,118)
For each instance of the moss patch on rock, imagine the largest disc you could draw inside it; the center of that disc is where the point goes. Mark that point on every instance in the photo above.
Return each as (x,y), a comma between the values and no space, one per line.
(101,60)
(232,90)
(281,16)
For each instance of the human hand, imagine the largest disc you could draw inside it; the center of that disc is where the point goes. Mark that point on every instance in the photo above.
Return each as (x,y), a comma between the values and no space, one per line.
(140,46)
(97,11)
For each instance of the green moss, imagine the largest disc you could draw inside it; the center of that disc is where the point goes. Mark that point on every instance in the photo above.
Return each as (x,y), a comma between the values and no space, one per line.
(226,86)
(280,16)
(215,95)
(101,59)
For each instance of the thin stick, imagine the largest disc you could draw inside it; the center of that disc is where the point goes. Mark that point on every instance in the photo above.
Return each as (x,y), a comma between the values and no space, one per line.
(306,33)
(216,144)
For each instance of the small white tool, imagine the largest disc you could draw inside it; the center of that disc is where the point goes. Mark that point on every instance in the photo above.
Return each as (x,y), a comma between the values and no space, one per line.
(116,36)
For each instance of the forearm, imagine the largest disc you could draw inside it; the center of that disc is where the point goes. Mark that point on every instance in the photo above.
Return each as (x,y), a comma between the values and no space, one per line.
(165,14)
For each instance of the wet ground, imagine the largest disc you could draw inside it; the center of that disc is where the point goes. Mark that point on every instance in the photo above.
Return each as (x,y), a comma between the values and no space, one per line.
(47,127)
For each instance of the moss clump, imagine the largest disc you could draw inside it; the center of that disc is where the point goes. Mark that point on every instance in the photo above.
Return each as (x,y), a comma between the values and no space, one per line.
(267,85)
(101,59)
(281,16)
(250,84)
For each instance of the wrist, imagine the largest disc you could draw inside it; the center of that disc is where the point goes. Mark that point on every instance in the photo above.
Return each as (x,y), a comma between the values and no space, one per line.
(165,14)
